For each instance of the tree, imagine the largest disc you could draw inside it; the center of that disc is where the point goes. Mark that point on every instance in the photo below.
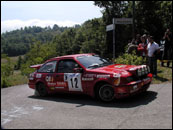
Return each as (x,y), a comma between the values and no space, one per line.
(112,9)
(19,62)
(151,17)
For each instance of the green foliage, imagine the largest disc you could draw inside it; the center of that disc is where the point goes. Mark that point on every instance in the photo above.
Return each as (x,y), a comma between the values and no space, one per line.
(38,54)
(18,42)
(153,18)
(17,79)
(6,71)
(89,38)
(19,62)
(130,59)
(3,55)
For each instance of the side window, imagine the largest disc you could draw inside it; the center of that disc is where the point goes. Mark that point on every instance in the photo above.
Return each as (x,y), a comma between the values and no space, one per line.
(67,66)
(48,67)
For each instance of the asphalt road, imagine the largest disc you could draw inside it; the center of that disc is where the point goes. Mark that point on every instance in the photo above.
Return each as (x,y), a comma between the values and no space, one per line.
(20,109)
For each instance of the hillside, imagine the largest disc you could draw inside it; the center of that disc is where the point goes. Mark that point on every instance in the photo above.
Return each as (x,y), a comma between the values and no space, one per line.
(18,42)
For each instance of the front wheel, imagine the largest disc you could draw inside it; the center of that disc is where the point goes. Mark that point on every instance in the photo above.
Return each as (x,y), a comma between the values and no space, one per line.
(41,89)
(106,93)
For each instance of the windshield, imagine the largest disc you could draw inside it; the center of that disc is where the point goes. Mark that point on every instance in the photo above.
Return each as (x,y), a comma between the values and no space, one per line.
(93,61)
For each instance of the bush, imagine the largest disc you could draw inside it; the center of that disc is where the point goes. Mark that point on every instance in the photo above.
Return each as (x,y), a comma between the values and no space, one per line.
(6,71)
(4,82)
(130,59)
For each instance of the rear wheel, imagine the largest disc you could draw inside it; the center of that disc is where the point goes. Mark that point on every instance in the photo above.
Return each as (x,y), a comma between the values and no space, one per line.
(41,89)
(106,93)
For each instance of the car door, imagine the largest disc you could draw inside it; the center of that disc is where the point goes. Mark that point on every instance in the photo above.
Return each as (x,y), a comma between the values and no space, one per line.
(67,78)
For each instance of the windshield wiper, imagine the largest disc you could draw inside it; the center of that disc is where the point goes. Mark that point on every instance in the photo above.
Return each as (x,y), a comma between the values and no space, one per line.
(93,66)
(105,64)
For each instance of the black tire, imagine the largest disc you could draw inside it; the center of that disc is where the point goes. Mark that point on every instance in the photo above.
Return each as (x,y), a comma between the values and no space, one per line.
(41,89)
(105,93)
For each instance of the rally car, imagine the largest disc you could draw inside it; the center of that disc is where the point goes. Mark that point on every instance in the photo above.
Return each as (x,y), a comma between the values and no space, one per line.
(89,74)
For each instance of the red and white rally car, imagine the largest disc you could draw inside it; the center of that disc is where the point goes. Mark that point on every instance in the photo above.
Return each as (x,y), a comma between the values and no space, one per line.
(89,74)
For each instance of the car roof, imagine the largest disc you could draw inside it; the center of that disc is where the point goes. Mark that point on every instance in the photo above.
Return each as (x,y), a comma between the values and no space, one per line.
(70,56)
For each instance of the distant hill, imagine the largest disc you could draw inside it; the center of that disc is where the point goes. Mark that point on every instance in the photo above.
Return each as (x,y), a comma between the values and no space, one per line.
(18,42)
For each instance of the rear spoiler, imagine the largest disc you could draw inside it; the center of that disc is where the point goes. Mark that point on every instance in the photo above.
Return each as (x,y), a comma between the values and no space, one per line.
(36,66)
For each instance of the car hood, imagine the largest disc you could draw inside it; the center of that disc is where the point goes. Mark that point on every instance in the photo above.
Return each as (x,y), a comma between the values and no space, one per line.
(123,70)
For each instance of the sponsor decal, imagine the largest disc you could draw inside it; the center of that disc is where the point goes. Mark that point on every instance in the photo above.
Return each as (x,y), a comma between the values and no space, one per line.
(61,84)
(120,66)
(103,76)
(87,79)
(51,84)
(124,73)
(31,78)
(89,75)
(49,78)
(38,75)
(59,87)
(132,69)
(116,75)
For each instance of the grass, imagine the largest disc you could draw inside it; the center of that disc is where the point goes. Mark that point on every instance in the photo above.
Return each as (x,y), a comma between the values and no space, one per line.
(164,74)
(17,78)
(12,59)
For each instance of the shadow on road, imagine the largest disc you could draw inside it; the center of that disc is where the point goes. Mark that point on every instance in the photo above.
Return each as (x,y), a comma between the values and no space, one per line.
(162,79)
(83,100)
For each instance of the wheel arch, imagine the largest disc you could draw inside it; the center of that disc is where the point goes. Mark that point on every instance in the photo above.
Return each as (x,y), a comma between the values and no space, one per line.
(38,82)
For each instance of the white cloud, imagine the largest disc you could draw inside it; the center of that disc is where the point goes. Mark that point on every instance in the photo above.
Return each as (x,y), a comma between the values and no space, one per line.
(9,25)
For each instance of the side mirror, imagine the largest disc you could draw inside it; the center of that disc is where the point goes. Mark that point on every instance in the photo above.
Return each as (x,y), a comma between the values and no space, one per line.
(78,70)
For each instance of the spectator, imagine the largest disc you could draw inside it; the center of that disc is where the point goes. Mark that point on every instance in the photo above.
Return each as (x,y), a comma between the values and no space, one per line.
(146,36)
(152,50)
(167,52)
(142,47)
(132,47)
(138,40)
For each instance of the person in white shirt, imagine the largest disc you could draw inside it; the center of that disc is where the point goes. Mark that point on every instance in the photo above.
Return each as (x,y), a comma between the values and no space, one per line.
(152,50)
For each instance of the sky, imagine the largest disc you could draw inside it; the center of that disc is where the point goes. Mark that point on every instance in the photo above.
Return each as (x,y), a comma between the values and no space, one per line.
(17,14)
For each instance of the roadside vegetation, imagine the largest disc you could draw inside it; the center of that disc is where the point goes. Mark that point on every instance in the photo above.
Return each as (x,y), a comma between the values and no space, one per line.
(10,71)
(164,74)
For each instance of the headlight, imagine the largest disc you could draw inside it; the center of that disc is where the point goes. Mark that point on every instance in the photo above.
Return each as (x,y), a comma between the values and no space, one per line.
(148,68)
(139,72)
(143,71)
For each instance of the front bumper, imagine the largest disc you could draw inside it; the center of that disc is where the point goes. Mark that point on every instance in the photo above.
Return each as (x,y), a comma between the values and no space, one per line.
(132,88)
(31,85)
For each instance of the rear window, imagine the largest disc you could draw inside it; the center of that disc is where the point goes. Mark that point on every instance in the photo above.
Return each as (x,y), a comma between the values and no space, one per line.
(49,67)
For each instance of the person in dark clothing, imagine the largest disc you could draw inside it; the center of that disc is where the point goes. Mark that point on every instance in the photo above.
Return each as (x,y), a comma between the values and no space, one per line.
(167,53)
(138,39)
